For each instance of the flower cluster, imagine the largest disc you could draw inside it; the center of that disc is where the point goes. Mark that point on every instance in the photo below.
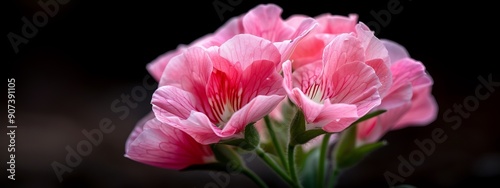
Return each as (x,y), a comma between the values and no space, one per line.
(312,76)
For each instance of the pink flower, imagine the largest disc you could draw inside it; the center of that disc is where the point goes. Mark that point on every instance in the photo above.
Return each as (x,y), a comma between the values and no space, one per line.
(213,93)
(263,21)
(344,84)
(409,100)
(155,143)
(310,48)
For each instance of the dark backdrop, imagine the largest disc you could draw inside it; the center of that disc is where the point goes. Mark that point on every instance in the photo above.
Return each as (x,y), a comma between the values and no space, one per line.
(91,53)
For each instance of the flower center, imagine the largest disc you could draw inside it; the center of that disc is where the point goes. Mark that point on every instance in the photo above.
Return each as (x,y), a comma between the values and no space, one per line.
(224,97)
(315,93)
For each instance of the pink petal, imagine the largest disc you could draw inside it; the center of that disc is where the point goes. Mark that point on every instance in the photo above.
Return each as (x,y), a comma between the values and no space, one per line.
(342,50)
(335,24)
(336,117)
(167,148)
(244,49)
(405,71)
(304,77)
(396,51)
(157,66)
(317,114)
(367,129)
(172,101)
(309,50)
(228,30)
(356,83)
(307,25)
(423,81)
(320,115)
(310,108)
(288,46)
(423,109)
(277,113)
(288,78)
(374,48)
(138,128)
(373,129)
(296,20)
(261,78)
(310,47)
(178,108)
(256,109)
(397,97)
(265,21)
(198,126)
(384,75)
(220,63)
(180,69)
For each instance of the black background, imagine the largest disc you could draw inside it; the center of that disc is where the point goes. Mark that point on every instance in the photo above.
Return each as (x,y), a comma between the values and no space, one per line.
(92,52)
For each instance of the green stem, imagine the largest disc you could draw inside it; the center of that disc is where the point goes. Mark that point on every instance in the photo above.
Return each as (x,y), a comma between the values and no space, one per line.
(271,163)
(250,174)
(291,161)
(322,159)
(276,143)
(335,176)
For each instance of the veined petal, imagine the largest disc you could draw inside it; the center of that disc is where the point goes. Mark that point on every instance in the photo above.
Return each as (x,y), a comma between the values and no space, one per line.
(336,24)
(287,47)
(288,80)
(178,108)
(405,71)
(374,48)
(172,101)
(256,109)
(198,126)
(384,75)
(397,97)
(310,108)
(336,117)
(309,49)
(167,148)
(244,49)
(265,21)
(343,49)
(356,83)
(303,78)
(188,71)
(261,78)
(220,63)
(139,126)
